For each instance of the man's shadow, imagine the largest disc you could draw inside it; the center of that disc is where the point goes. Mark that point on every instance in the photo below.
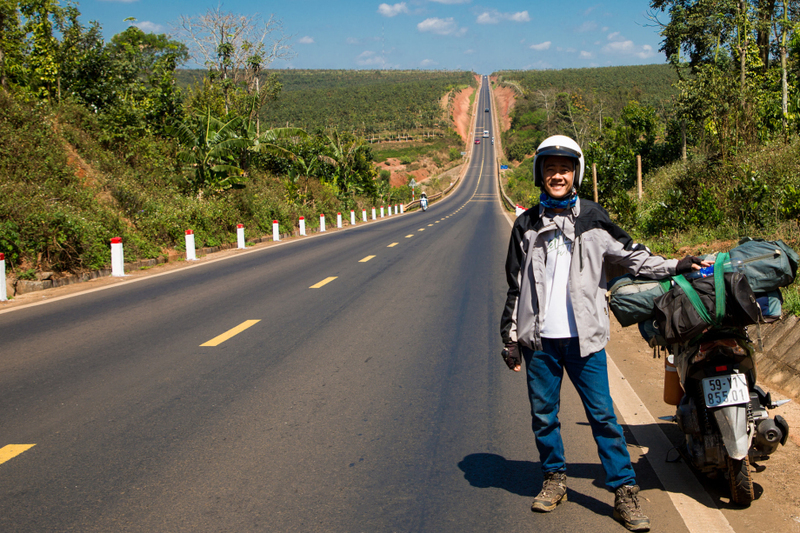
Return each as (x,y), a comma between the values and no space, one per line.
(524,478)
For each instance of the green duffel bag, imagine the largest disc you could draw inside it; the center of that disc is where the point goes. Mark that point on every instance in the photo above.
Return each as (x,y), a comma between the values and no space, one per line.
(631,299)
(767,265)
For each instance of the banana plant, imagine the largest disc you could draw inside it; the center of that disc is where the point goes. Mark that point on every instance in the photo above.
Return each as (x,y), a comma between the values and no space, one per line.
(218,150)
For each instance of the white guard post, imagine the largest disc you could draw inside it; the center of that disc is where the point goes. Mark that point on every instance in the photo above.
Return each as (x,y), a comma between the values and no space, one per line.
(396,208)
(190,254)
(381,211)
(519,210)
(3,293)
(364,215)
(322,222)
(276,235)
(240,235)
(352,217)
(117,260)
(373,213)
(338,220)
(402,208)
(302,225)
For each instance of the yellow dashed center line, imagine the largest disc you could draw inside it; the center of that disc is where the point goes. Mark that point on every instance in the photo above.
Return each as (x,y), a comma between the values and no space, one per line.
(323,282)
(219,339)
(421,229)
(409,236)
(429,225)
(366,259)
(393,245)
(10,451)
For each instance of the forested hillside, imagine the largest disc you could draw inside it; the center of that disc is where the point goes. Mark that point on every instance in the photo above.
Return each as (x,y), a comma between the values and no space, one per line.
(375,104)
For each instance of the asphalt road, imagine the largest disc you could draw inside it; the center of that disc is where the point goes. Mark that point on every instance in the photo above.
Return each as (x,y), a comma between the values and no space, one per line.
(375,402)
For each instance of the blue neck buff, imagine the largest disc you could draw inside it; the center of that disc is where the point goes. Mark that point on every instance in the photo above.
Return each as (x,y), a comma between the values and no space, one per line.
(558,203)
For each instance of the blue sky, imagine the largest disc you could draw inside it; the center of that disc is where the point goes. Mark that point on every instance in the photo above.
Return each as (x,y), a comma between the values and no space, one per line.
(427,34)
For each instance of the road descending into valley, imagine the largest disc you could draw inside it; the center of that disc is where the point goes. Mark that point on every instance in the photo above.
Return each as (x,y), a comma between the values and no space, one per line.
(349,382)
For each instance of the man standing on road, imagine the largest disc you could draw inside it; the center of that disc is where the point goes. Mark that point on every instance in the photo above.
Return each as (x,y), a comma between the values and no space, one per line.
(556,319)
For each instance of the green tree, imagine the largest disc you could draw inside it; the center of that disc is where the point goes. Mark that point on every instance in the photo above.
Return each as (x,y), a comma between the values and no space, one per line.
(11,43)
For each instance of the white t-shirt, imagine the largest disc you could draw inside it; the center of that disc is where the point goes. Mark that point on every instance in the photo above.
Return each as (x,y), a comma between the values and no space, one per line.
(559,319)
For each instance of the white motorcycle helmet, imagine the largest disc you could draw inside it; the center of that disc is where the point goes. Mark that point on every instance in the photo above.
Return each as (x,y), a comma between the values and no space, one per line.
(558,145)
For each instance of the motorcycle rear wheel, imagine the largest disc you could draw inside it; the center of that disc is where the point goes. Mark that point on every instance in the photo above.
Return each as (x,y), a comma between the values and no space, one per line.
(741,483)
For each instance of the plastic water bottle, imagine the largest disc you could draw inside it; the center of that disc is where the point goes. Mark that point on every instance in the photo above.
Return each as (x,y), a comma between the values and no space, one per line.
(728,266)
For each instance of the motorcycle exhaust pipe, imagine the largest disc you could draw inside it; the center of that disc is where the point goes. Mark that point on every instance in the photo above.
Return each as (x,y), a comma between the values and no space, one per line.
(768,436)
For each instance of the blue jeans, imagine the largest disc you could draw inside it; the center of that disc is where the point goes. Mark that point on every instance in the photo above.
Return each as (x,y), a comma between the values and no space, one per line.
(589,375)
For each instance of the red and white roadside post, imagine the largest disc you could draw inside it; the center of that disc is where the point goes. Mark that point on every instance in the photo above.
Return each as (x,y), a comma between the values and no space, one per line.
(3,293)
(240,235)
(352,217)
(338,220)
(190,254)
(402,209)
(364,215)
(117,259)
(302,226)
(519,210)
(322,222)
(373,213)
(276,232)
(381,211)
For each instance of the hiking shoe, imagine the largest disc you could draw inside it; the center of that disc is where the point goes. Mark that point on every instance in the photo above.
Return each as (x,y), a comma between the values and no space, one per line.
(554,491)
(627,509)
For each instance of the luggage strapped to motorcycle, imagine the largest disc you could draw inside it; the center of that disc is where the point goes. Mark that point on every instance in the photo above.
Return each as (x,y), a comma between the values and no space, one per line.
(719,293)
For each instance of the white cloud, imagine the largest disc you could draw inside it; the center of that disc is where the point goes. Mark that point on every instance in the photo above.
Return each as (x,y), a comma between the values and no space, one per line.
(586,55)
(451,2)
(488,18)
(470,51)
(494,17)
(589,25)
(390,11)
(370,58)
(615,36)
(630,49)
(428,63)
(306,40)
(149,27)
(439,26)
(352,40)
(541,46)
(520,16)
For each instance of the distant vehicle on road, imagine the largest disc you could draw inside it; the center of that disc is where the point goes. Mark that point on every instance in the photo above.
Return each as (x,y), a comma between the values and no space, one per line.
(486,133)
(486,110)
(477,141)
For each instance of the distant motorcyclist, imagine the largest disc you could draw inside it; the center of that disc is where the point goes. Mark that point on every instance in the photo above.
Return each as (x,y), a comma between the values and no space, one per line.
(423,201)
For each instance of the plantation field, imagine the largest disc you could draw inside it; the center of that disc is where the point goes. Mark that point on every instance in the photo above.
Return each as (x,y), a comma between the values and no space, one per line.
(368,103)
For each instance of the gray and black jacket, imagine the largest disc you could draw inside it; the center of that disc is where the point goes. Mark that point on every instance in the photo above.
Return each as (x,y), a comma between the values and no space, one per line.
(596,240)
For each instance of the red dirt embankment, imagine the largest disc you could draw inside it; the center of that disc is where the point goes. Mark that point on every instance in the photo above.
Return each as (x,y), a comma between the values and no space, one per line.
(504,99)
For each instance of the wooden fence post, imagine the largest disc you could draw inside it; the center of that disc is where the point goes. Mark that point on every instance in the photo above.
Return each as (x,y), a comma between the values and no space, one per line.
(594,180)
(639,175)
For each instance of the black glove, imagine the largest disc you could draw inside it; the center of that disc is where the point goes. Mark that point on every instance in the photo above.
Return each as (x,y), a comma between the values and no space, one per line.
(685,265)
(511,356)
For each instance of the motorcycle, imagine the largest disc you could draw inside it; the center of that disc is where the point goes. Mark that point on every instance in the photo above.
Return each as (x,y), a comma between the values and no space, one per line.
(723,412)
(423,202)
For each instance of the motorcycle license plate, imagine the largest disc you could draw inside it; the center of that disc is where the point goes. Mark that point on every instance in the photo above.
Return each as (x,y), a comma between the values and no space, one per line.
(728,389)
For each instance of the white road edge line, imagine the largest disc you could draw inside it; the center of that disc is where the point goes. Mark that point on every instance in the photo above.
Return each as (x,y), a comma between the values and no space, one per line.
(697,509)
